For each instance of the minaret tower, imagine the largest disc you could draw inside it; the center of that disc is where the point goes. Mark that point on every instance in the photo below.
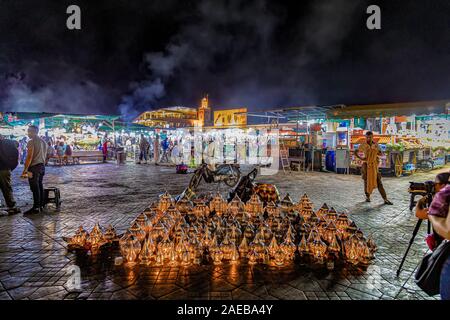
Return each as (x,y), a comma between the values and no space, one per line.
(204,112)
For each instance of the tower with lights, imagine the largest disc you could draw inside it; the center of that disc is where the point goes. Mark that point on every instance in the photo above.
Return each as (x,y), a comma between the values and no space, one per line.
(204,112)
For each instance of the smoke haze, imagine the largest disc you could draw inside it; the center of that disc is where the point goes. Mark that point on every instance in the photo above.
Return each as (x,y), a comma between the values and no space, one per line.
(131,57)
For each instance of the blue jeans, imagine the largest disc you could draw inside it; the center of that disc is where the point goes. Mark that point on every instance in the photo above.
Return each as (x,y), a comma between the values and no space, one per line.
(445,280)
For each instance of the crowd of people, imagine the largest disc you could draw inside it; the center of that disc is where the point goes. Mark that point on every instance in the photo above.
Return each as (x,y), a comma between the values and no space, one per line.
(165,152)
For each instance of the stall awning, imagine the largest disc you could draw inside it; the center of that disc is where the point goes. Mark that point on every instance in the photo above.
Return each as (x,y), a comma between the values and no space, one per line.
(390,110)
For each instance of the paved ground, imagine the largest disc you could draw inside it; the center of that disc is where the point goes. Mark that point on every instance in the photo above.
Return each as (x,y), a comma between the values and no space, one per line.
(34,261)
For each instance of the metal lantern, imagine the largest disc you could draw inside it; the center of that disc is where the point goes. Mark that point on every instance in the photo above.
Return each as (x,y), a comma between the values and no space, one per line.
(279,257)
(218,205)
(137,231)
(158,231)
(254,206)
(96,239)
(79,239)
(147,252)
(318,249)
(351,250)
(131,249)
(201,209)
(330,232)
(184,205)
(342,223)
(165,201)
(236,206)
(287,204)
(141,220)
(273,246)
(243,247)
(332,215)
(303,248)
(322,211)
(288,247)
(110,234)
(272,210)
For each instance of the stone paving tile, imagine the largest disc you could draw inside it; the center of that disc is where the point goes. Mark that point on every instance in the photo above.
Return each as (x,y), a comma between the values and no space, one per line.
(34,262)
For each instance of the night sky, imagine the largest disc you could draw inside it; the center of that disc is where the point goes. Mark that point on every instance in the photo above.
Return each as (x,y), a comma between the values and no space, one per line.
(135,55)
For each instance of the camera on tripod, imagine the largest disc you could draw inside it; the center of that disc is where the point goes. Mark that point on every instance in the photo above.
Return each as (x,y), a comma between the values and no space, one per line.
(424,189)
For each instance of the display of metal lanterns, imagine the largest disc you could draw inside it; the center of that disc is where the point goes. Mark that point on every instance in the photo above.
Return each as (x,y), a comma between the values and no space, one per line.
(210,230)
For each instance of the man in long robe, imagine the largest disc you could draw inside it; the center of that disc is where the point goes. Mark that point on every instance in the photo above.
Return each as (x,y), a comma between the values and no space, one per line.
(369,169)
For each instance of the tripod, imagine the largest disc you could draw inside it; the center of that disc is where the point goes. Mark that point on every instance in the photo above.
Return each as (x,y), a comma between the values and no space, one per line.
(414,234)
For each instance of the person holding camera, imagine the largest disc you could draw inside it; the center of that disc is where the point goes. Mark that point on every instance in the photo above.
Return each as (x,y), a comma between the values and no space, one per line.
(439,203)
(438,214)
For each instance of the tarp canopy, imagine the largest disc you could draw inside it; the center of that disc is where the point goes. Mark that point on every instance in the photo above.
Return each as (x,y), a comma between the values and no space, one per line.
(24,118)
(125,126)
(390,110)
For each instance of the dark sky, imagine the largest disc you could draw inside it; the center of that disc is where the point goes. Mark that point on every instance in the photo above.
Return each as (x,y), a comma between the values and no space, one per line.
(136,55)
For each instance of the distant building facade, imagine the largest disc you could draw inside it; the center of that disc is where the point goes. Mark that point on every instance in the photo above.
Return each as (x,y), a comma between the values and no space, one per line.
(177,117)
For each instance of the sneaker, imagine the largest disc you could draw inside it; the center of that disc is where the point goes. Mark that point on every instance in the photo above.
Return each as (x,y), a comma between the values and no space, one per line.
(367,199)
(32,211)
(386,201)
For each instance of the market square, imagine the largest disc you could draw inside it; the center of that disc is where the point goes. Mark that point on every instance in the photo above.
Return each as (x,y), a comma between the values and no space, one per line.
(211,158)
(34,258)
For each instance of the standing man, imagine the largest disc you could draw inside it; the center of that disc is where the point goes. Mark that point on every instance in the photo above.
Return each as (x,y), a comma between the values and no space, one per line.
(9,159)
(34,168)
(143,148)
(369,169)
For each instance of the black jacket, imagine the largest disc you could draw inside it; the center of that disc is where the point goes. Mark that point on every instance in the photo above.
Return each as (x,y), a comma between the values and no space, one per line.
(5,153)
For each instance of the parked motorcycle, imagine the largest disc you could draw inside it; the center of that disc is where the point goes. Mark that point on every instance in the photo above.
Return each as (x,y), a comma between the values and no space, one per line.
(226,173)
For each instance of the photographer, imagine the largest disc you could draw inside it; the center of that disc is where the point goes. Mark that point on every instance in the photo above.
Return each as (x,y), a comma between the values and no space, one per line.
(438,214)
(439,206)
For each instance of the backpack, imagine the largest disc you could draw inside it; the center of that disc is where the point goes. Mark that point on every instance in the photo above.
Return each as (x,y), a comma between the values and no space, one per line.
(9,154)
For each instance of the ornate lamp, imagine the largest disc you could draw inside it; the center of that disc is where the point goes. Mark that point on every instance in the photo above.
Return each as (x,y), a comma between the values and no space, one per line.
(254,206)
(303,248)
(110,234)
(131,249)
(287,204)
(218,205)
(147,252)
(272,210)
(235,206)
(165,201)
(137,231)
(243,247)
(322,211)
